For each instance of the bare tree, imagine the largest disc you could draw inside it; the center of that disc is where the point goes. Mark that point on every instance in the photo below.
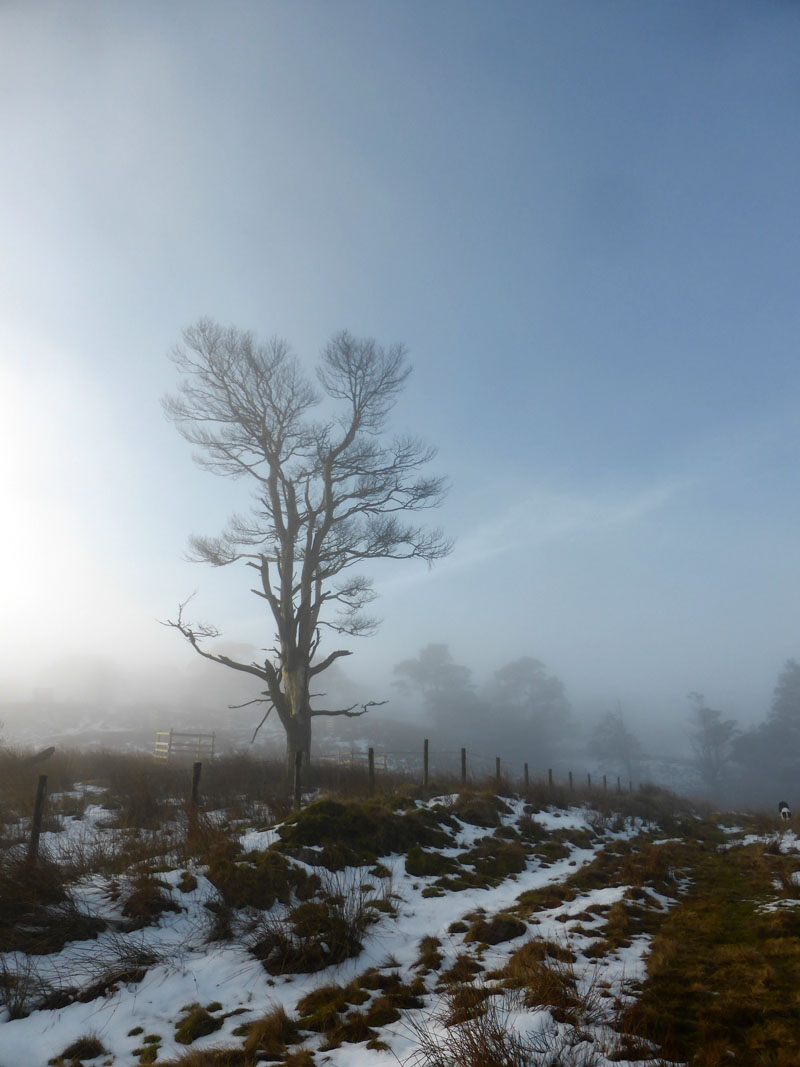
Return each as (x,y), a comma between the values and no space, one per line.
(614,743)
(712,738)
(330,494)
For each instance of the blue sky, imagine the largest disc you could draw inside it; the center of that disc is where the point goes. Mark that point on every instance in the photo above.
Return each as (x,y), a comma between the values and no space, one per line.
(581,218)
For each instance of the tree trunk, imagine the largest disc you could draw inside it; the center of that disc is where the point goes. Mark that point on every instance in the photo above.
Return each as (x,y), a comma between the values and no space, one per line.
(298,739)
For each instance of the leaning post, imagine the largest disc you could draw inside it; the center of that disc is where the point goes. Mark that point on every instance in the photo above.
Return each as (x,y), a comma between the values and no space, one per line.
(36,826)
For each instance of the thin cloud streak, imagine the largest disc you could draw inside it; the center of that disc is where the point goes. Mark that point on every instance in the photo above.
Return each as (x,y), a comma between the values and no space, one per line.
(543,517)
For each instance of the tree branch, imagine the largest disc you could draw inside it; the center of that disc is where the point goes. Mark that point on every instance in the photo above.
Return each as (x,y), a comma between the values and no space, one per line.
(194,634)
(266,716)
(349,711)
(324,664)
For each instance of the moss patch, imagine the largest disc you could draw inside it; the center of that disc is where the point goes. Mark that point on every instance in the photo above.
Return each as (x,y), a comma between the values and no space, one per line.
(420,863)
(259,879)
(359,833)
(480,809)
(494,859)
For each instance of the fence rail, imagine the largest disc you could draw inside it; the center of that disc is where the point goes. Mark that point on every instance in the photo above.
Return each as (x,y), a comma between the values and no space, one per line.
(171,744)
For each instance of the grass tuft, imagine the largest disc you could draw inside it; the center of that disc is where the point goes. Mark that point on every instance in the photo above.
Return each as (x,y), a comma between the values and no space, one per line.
(197,1022)
(494,931)
(146,901)
(87,1047)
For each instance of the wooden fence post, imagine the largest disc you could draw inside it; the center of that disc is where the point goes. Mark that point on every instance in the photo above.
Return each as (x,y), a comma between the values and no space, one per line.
(371,754)
(169,746)
(497,770)
(463,766)
(605,784)
(36,825)
(630,787)
(196,770)
(570,781)
(527,780)
(425,762)
(298,763)
(619,785)
(589,781)
(550,778)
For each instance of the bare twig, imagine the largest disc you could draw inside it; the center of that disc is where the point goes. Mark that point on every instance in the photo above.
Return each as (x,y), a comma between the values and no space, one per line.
(266,716)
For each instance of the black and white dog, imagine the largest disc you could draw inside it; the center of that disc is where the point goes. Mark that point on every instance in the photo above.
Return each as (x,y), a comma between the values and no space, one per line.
(783,808)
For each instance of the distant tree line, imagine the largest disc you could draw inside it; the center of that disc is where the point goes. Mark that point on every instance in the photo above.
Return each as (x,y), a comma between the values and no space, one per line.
(758,763)
(733,764)
(768,755)
(521,707)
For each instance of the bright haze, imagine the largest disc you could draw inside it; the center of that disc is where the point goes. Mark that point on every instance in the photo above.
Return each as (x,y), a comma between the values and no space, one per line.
(582,220)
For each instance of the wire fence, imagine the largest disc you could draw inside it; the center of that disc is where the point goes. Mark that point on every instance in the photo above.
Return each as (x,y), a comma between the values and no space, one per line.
(365,769)
(468,766)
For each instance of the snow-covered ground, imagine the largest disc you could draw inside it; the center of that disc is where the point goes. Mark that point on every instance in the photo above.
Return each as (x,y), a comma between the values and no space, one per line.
(190,969)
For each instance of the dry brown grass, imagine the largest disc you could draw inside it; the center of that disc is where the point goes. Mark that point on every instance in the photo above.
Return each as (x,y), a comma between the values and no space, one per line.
(211,1057)
(145,901)
(270,1036)
(494,931)
(86,1047)
(723,975)
(463,970)
(21,987)
(545,980)
(38,913)
(197,1022)
(471,1028)
(430,955)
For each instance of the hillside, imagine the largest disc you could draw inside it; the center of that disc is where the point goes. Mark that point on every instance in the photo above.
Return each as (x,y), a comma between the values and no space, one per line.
(457,928)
